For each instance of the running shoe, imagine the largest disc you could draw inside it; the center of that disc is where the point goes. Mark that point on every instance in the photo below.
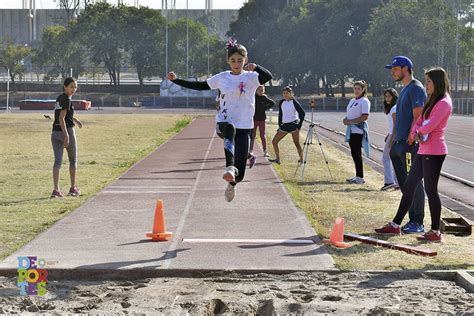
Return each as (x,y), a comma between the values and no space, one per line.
(230,192)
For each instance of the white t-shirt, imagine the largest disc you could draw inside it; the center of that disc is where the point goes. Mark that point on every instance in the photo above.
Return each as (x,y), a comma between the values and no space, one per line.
(289,113)
(390,119)
(355,109)
(237,101)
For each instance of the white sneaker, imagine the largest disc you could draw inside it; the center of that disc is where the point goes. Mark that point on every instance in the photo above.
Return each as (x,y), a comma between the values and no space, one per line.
(229,174)
(357,180)
(350,179)
(265,154)
(230,192)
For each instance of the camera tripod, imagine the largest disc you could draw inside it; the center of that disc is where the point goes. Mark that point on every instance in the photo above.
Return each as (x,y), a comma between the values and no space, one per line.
(308,141)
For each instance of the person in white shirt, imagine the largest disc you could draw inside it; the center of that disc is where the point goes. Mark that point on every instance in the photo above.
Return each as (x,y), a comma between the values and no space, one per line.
(290,119)
(390,107)
(357,114)
(237,106)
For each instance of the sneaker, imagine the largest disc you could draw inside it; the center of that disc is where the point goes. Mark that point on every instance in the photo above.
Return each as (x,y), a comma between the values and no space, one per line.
(252,160)
(413,228)
(265,154)
(388,186)
(357,180)
(277,161)
(388,229)
(350,179)
(229,174)
(74,191)
(230,192)
(432,235)
(57,194)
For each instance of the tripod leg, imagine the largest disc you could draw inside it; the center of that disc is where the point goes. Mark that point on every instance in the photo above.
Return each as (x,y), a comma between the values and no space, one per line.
(324,156)
(305,156)
(305,148)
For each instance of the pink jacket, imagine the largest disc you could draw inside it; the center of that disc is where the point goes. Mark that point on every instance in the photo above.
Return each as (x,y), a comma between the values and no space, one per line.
(434,128)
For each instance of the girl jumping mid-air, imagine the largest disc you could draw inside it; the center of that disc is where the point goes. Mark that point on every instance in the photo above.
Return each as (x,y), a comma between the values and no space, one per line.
(237,106)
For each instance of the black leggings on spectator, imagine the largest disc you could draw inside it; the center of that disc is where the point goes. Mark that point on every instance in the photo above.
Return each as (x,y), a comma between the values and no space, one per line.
(355,142)
(427,167)
(236,147)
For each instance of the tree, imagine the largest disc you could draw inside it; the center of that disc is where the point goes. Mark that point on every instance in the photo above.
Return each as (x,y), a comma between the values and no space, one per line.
(61,51)
(72,7)
(12,58)
(144,40)
(407,28)
(101,29)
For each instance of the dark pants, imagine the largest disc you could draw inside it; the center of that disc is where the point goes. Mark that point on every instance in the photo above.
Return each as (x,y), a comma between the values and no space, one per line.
(428,168)
(355,142)
(398,155)
(236,147)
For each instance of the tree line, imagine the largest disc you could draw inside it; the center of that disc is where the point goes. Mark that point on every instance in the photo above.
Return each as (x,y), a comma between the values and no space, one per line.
(118,37)
(308,42)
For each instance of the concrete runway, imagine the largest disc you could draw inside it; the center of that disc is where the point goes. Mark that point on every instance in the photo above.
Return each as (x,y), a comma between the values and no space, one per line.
(252,233)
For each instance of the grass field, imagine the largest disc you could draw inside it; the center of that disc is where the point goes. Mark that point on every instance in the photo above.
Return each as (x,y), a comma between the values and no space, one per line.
(363,207)
(107,146)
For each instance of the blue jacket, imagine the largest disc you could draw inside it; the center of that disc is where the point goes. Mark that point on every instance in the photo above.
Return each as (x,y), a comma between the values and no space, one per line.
(365,138)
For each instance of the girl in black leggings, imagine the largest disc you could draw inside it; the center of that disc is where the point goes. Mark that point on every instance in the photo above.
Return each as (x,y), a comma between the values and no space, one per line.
(237,106)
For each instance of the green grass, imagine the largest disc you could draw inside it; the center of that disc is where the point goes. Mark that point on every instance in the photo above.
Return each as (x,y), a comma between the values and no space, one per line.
(363,207)
(107,146)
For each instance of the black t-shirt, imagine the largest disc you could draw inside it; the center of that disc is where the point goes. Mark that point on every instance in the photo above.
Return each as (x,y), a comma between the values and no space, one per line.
(63,102)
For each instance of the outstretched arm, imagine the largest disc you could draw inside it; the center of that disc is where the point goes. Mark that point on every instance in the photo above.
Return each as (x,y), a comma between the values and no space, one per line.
(264,75)
(194,85)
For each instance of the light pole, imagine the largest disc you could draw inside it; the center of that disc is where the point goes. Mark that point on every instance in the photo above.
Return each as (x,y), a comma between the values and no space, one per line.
(187,48)
(8,89)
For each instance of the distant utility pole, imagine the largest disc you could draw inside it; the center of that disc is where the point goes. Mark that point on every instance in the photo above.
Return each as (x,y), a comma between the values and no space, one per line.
(208,13)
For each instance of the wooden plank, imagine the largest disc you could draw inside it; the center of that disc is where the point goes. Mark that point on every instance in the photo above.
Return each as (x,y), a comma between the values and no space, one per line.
(386,244)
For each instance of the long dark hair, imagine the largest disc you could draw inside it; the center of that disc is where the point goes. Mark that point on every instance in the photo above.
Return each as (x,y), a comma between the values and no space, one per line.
(440,88)
(394,94)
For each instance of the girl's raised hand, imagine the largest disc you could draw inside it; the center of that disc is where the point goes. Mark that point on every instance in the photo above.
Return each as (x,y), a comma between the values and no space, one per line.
(250,67)
(171,76)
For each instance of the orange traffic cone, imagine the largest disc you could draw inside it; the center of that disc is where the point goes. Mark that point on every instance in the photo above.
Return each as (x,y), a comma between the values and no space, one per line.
(159,230)
(337,235)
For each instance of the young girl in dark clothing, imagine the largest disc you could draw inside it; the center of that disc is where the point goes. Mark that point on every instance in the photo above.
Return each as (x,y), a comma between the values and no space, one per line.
(262,103)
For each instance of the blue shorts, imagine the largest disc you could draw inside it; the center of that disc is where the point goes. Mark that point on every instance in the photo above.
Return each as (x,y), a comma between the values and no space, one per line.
(289,127)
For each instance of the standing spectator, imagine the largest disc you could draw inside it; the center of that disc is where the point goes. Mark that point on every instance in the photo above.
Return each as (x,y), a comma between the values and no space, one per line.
(428,130)
(290,119)
(262,103)
(409,106)
(390,99)
(357,133)
(64,136)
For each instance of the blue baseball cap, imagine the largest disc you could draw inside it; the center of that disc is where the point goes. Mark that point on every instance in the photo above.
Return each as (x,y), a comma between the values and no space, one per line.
(400,61)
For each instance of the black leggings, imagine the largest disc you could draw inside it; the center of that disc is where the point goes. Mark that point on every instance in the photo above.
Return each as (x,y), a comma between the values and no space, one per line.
(236,147)
(427,167)
(355,142)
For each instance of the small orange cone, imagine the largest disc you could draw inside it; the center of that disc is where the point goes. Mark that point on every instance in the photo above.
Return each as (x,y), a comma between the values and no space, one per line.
(337,235)
(159,230)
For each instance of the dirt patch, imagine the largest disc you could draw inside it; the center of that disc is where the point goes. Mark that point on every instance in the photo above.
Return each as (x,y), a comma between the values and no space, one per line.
(263,294)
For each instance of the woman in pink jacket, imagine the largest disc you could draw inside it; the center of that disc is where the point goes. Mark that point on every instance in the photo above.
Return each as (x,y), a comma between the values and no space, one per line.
(428,130)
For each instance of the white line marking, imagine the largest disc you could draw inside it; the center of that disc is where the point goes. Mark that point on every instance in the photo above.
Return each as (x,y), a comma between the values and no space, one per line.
(144,192)
(249,241)
(180,227)
(149,187)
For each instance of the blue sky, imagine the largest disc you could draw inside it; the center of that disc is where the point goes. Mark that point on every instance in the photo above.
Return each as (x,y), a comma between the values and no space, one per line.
(193,4)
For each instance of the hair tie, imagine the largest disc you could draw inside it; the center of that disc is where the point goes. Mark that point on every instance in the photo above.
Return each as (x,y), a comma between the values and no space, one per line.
(231,42)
